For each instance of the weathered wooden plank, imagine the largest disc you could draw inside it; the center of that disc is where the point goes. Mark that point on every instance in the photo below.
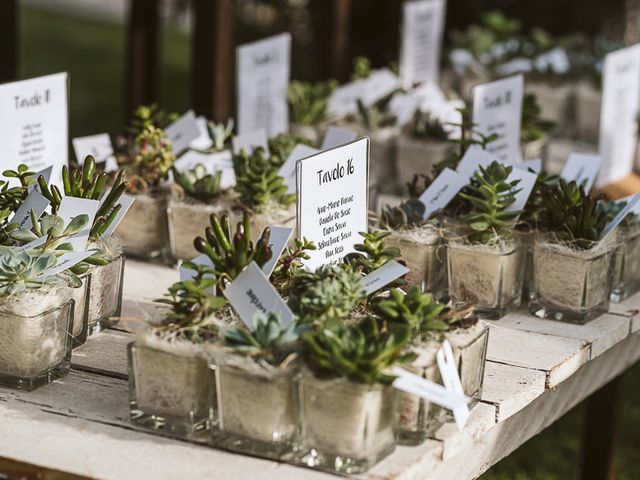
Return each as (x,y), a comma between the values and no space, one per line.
(104,353)
(601,333)
(629,308)
(482,418)
(558,357)
(511,388)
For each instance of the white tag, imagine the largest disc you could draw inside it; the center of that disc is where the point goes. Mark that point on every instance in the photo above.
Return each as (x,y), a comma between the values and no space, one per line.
(288,169)
(212,162)
(381,83)
(633,205)
(251,291)
(35,201)
(126,201)
(442,190)
(67,261)
(182,132)
(34,124)
(203,140)
(278,238)
(332,201)
(535,165)
(403,107)
(337,136)
(628,199)
(517,65)
(423,26)
(555,60)
(497,108)
(71,207)
(618,114)
(582,168)
(451,380)
(188,274)
(264,68)
(45,173)
(474,158)
(99,146)
(525,186)
(382,276)
(249,141)
(343,100)
(31,245)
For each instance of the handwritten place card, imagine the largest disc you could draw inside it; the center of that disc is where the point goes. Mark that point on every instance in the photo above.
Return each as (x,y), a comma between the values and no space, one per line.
(183,131)
(582,168)
(380,83)
(249,141)
(442,190)
(212,162)
(423,27)
(336,136)
(35,201)
(126,201)
(535,165)
(264,68)
(474,158)
(31,245)
(497,108)
(527,181)
(251,291)
(70,208)
(344,99)
(288,169)
(632,206)
(278,239)
(332,191)
(99,146)
(384,275)
(67,261)
(203,140)
(33,124)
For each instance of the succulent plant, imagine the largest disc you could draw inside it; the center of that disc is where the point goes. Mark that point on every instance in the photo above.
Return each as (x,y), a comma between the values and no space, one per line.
(11,197)
(290,263)
(268,342)
(534,127)
(570,216)
(361,352)
(423,125)
(231,253)
(612,208)
(258,182)
(372,253)
(198,183)
(408,214)
(220,135)
(531,211)
(328,295)
(375,116)
(146,116)
(23,270)
(152,157)
(489,195)
(308,101)
(282,145)
(361,68)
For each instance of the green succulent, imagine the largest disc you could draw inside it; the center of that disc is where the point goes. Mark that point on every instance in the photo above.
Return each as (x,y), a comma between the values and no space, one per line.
(11,197)
(290,263)
(220,135)
(423,125)
(489,195)
(146,116)
(408,214)
(23,270)
(308,101)
(231,253)
(258,182)
(534,127)
(534,204)
(153,158)
(612,208)
(361,353)
(198,183)
(418,310)
(282,145)
(328,295)
(268,342)
(361,69)
(375,116)
(372,253)
(571,216)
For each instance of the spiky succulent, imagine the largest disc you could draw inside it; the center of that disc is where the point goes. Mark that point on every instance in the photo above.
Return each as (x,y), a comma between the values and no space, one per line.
(570,216)
(232,252)
(146,116)
(198,183)
(23,270)
(281,146)
(290,263)
(534,127)
(268,342)
(328,295)
(406,215)
(258,181)
(372,253)
(308,101)
(361,352)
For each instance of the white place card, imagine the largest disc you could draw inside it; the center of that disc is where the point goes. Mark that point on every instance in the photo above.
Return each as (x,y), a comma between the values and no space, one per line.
(34,124)
(249,141)
(45,173)
(288,169)
(336,136)
(278,238)
(383,276)
(31,245)
(126,201)
(71,207)
(212,162)
(632,206)
(264,68)
(534,165)
(344,99)
(527,181)
(183,131)
(442,190)
(403,108)
(251,292)
(497,108)
(35,201)
(67,261)
(203,140)
(99,146)
(332,209)
(380,83)
(582,168)
(423,27)
(556,60)
(618,114)
(474,158)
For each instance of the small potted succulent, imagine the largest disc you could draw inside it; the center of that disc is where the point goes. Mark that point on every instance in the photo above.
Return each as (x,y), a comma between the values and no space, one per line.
(626,278)
(36,313)
(485,259)
(572,265)
(308,108)
(257,401)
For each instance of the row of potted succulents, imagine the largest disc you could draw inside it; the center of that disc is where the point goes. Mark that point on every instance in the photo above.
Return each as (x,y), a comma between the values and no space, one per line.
(316,392)
(47,309)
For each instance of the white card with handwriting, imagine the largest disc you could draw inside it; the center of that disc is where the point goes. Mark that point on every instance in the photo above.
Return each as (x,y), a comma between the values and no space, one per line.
(497,109)
(474,158)
(98,146)
(332,201)
(423,27)
(251,292)
(384,275)
(183,131)
(66,261)
(264,68)
(34,124)
(442,190)
(582,168)
(35,201)
(278,238)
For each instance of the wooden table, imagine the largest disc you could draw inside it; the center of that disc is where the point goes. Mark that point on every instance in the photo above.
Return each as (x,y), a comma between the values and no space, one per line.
(537,370)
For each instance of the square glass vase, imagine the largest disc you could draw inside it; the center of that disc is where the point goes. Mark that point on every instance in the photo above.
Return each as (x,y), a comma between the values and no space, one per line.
(487,278)
(346,427)
(105,297)
(626,277)
(36,337)
(80,315)
(257,409)
(143,231)
(170,389)
(571,286)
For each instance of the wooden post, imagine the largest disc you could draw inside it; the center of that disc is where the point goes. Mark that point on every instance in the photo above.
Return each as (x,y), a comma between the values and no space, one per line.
(213,51)
(339,51)
(600,435)
(8,40)
(143,53)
